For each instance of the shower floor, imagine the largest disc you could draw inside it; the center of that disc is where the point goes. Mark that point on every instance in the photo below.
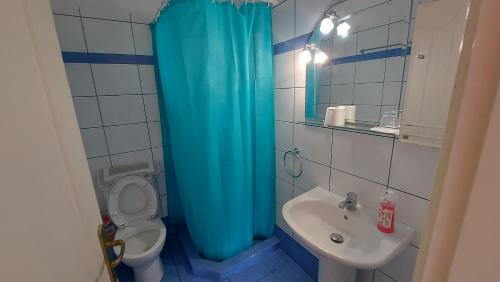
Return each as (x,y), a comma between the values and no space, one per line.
(274,267)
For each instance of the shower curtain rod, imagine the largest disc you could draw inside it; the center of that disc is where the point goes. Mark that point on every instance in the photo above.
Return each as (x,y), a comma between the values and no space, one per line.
(165,3)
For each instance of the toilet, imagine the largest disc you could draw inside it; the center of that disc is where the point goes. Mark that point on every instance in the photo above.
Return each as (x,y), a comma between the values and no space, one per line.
(132,206)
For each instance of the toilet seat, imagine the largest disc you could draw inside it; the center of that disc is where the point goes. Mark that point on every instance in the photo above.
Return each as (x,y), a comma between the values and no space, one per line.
(151,245)
(132,200)
(132,206)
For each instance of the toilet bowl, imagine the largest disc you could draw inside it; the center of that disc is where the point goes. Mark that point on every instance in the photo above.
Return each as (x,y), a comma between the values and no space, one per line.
(132,206)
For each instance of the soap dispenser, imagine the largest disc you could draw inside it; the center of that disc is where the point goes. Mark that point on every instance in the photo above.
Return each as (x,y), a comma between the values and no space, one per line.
(386,213)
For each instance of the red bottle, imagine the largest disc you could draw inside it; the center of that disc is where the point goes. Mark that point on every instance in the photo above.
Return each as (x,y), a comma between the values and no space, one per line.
(386,214)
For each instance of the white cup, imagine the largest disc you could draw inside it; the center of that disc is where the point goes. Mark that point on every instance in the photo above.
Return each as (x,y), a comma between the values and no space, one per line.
(335,116)
(350,113)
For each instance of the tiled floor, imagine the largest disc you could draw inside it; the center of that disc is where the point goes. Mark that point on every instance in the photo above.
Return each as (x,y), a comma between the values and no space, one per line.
(276,267)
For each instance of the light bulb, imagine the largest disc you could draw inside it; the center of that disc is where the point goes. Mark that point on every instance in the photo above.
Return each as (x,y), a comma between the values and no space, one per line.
(305,56)
(326,25)
(320,57)
(343,29)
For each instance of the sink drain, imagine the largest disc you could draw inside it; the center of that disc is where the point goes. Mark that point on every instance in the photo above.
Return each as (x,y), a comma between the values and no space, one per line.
(337,238)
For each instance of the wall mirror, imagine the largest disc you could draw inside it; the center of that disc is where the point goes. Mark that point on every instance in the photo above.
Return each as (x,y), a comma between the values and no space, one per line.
(356,59)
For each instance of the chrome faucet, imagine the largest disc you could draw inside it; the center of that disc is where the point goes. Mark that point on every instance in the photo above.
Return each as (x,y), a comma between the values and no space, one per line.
(350,202)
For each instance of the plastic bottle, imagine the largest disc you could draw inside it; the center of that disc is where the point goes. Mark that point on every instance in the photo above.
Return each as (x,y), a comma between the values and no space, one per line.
(109,227)
(386,213)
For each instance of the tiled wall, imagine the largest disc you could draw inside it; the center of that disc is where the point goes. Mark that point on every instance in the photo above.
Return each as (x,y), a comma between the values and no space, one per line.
(116,103)
(374,85)
(344,161)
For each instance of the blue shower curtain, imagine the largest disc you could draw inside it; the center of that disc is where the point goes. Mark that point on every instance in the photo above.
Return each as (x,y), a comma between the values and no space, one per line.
(215,71)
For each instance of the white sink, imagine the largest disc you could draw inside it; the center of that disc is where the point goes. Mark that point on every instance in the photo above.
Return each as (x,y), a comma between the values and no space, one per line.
(315,215)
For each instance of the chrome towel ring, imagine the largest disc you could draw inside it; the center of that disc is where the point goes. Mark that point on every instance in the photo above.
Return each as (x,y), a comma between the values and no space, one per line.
(295,152)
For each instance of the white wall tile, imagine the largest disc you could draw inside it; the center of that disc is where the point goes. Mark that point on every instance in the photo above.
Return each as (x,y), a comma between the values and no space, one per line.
(284,22)
(399,10)
(369,114)
(66,7)
(368,192)
(125,138)
(313,175)
(381,277)
(412,211)
(300,70)
(370,71)
(87,112)
(344,46)
(392,91)
(284,104)
(342,74)
(297,191)
(367,156)
(162,184)
(95,164)
(313,142)
(94,142)
(324,94)
(371,17)
(80,79)
(104,9)
(280,166)
(284,135)
(280,221)
(105,36)
(342,94)
(158,157)
(300,105)
(132,157)
(368,93)
(152,108)
(401,267)
(398,33)
(116,79)
(414,8)
(155,134)
(364,275)
(142,39)
(394,69)
(373,38)
(283,191)
(70,33)
(284,70)
(164,206)
(413,169)
(122,109)
(148,80)
(326,75)
(102,195)
(309,13)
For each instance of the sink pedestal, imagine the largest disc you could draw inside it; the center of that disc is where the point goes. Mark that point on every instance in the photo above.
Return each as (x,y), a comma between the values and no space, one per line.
(332,271)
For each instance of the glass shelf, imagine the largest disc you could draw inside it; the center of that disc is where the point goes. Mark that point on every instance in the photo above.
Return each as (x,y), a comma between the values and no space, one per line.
(352,127)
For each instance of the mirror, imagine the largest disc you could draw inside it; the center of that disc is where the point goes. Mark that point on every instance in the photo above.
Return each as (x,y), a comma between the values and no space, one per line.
(365,68)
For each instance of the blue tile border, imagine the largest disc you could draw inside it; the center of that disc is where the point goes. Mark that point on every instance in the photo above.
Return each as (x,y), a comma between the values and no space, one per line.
(104,58)
(395,52)
(299,254)
(299,42)
(213,270)
(292,44)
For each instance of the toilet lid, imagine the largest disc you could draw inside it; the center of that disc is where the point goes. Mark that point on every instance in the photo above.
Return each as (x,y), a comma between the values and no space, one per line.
(132,200)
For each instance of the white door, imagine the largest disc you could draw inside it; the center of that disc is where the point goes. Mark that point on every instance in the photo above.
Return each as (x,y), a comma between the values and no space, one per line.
(48,209)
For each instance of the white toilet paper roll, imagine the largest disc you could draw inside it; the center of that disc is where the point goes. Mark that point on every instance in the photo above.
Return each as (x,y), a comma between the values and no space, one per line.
(350,113)
(335,116)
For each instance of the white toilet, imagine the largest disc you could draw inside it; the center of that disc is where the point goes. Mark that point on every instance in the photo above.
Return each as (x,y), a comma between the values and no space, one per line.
(132,207)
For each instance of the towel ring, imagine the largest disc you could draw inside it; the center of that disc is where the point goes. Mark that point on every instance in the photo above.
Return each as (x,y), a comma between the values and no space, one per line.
(295,152)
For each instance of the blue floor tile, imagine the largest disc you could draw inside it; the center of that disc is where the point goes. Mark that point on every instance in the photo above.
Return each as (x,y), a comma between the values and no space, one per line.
(276,267)
(251,274)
